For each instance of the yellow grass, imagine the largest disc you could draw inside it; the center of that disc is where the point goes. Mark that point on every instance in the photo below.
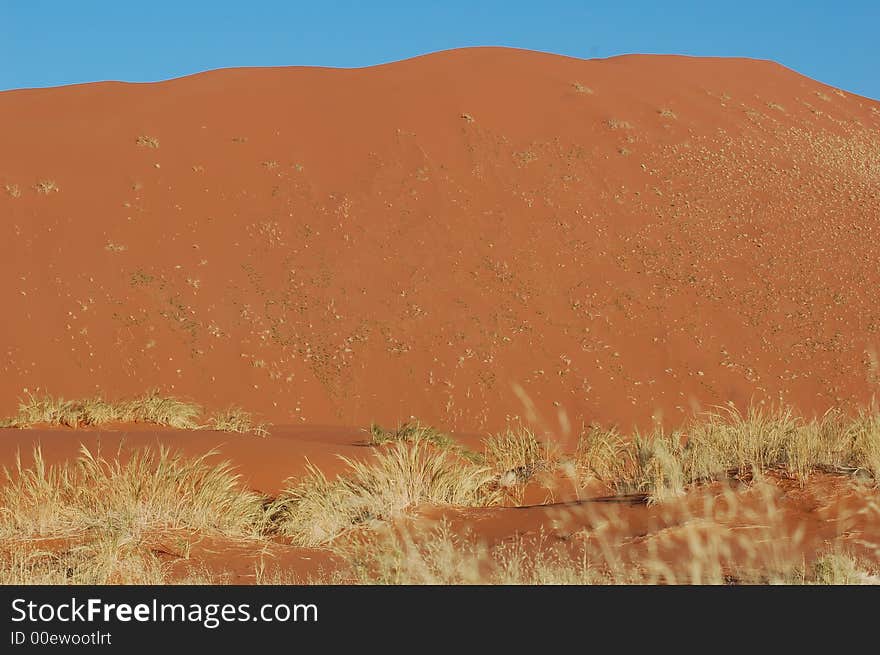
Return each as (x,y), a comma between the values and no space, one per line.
(316,510)
(235,419)
(151,407)
(727,442)
(146,491)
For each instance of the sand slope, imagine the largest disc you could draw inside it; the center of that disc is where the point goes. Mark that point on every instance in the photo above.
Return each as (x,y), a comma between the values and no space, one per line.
(464,237)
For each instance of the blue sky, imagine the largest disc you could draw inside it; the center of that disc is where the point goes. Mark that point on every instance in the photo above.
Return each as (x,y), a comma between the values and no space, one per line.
(52,42)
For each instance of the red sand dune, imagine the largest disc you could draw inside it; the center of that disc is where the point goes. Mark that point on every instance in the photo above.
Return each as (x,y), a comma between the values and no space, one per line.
(463,237)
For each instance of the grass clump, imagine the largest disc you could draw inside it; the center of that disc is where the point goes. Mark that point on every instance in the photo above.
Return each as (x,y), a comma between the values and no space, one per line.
(316,510)
(730,443)
(46,187)
(516,456)
(151,407)
(147,142)
(235,419)
(146,491)
(410,432)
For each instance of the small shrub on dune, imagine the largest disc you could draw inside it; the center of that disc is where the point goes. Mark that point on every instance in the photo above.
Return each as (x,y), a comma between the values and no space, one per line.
(410,432)
(235,419)
(148,490)
(726,442)
(317,509)
(516,456)
(415,432)
(152,407)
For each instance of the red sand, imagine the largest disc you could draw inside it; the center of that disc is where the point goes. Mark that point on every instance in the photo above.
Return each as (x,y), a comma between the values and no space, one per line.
(339,246)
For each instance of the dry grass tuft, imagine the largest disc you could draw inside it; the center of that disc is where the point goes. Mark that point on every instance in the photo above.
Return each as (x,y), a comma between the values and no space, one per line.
(147,142)
(727,443)
(13,190)
(235,419)
(317,510)
(410,432)
(127,497)
(148,408)
(616,124)
(698,546)
(667,113)
(151,407)
(46,187)
(580,88)
(516,456)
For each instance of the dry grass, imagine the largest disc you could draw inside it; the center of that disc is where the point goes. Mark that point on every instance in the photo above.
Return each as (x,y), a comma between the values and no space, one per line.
(13,190)
(616,124)
(99,562)
(91,520)
(727,443)
(151,407)
(699,546)
(115,247)
(147,142)
(46,187)
(316,510)
(235,419)
(580,88)
(148,408)
(667,113)
(515,456)
(410,432)
(148,490)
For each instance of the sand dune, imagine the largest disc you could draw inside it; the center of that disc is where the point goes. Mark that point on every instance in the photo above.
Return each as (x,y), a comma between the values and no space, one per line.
(445,236)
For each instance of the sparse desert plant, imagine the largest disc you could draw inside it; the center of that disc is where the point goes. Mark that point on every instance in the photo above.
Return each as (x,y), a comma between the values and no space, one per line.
(411,431)
(726,442)
(616,124)
(115,247)
(151,407)
(516,455)
(316,510)
(840,568)
(99,562)
(468,118)
(667,113)
(128,495)
(46,187)
(235,419)
(147,141)
(13,190)
(580,88)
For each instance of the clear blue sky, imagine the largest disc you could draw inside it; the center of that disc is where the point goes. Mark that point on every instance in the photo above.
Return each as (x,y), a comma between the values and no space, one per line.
(52,42)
